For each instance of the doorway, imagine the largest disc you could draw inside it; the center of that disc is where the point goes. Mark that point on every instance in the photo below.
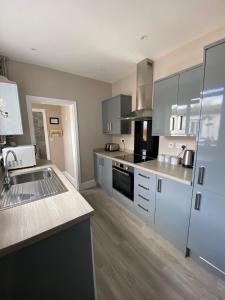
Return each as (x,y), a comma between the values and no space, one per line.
(54,129)
(41,134)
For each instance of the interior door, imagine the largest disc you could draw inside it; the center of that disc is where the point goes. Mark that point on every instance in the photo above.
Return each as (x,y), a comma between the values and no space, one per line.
(207,229)
(39,135)
(210,164)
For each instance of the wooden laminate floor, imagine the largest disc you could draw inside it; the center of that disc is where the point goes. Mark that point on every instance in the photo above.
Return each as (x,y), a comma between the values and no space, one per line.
(132,262)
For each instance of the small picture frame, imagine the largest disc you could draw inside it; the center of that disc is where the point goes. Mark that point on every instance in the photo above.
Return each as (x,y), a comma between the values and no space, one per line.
(54,121)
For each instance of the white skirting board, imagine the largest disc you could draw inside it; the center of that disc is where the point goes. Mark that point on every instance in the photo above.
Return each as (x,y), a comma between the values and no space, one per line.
(70,178)
(87,184)
(84,185)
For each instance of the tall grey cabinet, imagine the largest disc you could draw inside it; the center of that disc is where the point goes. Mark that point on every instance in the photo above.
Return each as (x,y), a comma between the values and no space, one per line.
(176,108)
(207,223)
(113,110)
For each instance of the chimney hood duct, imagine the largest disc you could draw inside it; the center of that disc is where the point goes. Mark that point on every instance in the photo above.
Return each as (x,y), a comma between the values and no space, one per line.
(144,92)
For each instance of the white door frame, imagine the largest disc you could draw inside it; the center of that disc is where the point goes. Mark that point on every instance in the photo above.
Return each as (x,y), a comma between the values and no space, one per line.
(43,111)
(75,134)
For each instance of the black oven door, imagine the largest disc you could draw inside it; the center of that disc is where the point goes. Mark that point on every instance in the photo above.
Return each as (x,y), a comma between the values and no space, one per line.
(123,182)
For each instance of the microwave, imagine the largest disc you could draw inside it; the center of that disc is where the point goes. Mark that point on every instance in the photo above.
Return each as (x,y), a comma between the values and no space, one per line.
(25,157)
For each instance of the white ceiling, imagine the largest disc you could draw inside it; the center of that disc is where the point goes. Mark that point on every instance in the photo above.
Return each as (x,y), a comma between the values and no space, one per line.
(101,38)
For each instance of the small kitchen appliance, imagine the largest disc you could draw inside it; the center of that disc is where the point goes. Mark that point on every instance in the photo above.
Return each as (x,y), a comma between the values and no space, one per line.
(25,157)
(112,147)
(188,159)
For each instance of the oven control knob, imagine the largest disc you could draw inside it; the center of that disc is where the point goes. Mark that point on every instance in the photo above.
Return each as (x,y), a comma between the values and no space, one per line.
(126,168)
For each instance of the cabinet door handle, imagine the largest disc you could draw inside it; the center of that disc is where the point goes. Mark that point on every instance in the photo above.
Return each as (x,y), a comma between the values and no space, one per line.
(145,209)
(172,123)
(108,126)
(143,187)
(201,173)
(198,198)
(159,186)
(180,122)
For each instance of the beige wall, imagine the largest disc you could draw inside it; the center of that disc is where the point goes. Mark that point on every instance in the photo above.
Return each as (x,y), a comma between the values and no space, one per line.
(56,144)
(67,139)
(40,81)
(182,58)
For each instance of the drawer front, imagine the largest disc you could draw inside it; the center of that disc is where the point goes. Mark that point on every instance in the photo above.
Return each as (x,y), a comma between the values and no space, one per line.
(144,195)
(144,180)
(145,200)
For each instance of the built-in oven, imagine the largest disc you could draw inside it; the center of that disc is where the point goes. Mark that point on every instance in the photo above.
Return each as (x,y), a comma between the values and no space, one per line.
(123,179)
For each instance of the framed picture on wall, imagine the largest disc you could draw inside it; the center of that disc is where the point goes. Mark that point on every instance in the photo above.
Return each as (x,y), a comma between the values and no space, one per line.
(54,121)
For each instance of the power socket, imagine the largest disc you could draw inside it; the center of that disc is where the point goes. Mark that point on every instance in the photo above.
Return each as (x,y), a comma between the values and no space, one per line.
(181,145)
(170,145)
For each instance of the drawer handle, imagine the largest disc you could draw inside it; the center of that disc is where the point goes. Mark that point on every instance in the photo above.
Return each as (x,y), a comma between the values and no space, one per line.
(145,188)
(198,198)
(146,199)
(201,173)
(145,209)
(147,177)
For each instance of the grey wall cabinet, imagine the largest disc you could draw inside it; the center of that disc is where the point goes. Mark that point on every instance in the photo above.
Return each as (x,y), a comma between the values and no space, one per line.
(112,110)
(207,223)
(173,203)
(144,194)
(103,173)
(165,106)
(176,109)
(10,116)
(188,107)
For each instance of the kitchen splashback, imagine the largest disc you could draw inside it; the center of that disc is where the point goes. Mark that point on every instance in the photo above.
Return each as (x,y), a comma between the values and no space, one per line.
(164,143)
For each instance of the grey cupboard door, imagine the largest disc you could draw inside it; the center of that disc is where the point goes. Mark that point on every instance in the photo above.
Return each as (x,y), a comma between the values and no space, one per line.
(114,109)
(105,116)
(188,108)
(173,204)
(165,106)
(207,229)
(107,176)
(99,169)
(210,162)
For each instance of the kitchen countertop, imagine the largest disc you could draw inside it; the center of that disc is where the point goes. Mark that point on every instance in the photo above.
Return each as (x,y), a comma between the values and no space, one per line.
(28,223)
(178,173)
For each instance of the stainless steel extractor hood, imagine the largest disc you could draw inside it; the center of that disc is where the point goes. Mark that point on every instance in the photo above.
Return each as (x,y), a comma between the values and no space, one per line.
(144,92)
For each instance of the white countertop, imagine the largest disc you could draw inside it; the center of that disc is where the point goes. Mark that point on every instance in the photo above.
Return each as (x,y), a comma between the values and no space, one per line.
(25,224)
(178,173)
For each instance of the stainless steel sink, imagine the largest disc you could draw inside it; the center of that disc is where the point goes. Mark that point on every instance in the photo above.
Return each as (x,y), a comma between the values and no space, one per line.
(34,176)
(31,186)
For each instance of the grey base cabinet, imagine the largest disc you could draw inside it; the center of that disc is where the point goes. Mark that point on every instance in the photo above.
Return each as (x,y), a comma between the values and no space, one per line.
(173,203)
(207,230)
(144,195)
(58,267)
(103,173)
